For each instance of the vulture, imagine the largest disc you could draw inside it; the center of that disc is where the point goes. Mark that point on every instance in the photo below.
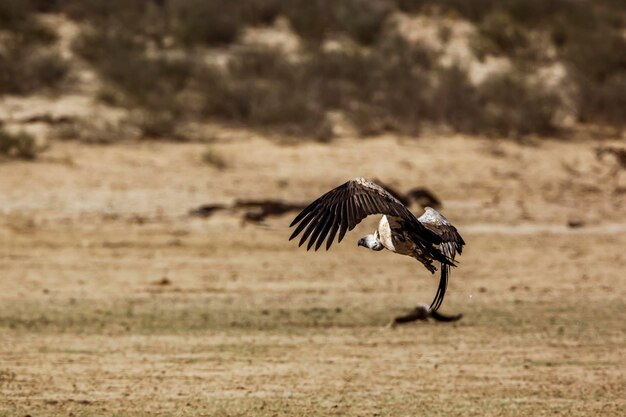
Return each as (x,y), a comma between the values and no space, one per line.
(429,238)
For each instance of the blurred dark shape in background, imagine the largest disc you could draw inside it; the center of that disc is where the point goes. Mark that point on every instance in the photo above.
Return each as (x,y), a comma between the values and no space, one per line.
(257,210)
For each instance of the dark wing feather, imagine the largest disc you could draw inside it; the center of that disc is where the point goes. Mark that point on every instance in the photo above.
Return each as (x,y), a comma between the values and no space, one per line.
(452,243)
(342,208)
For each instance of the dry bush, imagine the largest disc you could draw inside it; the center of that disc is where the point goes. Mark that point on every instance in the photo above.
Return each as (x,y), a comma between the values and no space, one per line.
(593,45)
(361,20)
(19,145)
(219,22)
(456,102)
(385,83)
(261,88)
(398,85)
(25,69)
(14,12)
(472,10)
(158,125)
(587,35)
(394,86)
(188,22)
(206,22)
(93,131)
(129,15)
(213,158)
(26,62)
(527,12)
(603,102)
(18,16)
(499,34)
(513,107)
(263,11)
(122,61)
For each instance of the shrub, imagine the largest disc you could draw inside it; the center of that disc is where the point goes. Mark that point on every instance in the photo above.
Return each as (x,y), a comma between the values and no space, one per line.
(472,10)
(213,158)
(393,89)
(387,87)
(384,83)
(262,11)
(158,125)
(603,102)
(362,20)
(206,22)
(25,66)
(456,102)
(499,34)
(25,69)
(513,107)
(120,14)
(597,54)
(122,61)
(18,145)
(260,88)
(14,12)
(18,17)
(592,43)
(96,131)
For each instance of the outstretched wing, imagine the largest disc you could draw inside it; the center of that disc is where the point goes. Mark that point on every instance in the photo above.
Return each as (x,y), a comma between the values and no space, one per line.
(342,208)
(451,244)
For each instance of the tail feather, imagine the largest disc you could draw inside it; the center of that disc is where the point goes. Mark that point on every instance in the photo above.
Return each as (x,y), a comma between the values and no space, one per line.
(448,252)
(441,289)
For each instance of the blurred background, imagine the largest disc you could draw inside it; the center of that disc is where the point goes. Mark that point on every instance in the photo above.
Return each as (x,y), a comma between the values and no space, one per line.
(99,71)
(154,152)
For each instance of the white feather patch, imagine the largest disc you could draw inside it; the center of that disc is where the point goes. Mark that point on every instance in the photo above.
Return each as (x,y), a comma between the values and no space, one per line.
(385,235)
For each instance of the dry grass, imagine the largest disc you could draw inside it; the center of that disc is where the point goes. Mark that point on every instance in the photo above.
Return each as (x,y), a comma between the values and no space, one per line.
(20,145)
(27,67)
(28,60)
(213,158)
(115,303)
(265,345)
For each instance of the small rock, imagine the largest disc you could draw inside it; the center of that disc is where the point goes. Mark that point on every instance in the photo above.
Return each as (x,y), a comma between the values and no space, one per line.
(163,281)
(575,223)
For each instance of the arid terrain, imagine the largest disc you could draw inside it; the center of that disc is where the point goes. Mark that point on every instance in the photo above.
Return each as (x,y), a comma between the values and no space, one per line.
(116,302)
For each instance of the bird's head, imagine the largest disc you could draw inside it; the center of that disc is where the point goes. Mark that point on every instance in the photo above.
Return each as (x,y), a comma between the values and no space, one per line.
(370,242)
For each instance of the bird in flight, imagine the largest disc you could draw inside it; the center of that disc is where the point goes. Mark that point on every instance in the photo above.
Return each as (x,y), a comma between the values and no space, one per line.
(429,238)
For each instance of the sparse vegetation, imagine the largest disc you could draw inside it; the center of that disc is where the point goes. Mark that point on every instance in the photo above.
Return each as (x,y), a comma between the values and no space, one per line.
(499,34)
(157,59)
(123,61)
(27,62)
(207,22)
(513,107)
(24,69)
(93,132)
(361,20)
(213,158)
(587,36)
(19,145)
(18,17)
(596,60)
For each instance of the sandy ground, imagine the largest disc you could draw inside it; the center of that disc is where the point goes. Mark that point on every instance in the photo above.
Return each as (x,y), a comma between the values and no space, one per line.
(115,302)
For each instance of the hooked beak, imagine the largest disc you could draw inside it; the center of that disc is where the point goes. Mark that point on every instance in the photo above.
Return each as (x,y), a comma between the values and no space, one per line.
(361,242)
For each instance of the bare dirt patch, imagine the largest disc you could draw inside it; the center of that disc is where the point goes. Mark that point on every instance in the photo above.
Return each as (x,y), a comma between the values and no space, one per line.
(247,324)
